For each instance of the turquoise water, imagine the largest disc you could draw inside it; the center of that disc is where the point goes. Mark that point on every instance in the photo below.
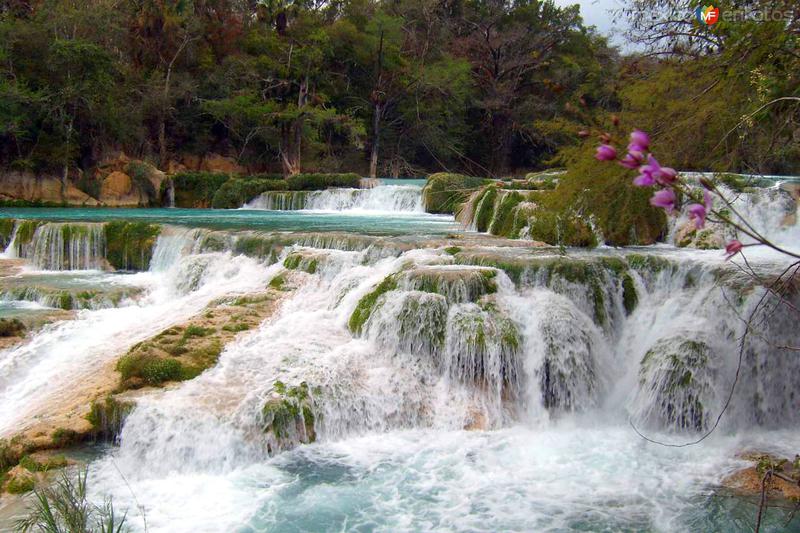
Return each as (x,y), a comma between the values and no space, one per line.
(387,223)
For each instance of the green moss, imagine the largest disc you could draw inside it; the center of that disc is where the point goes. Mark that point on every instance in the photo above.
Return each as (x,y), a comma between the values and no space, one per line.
(444,192)
(6,230)
(452,250)
(598,297)
(107,417)
(25,231)
(237,191)
(288,411)
(485,208)
(12,327)
(503,221)
(65,301)
(648,263)
(604,193)
(150,369)
(366,305)
(129,245)
(560,228)
(318,182)
(196,331)
(258,247)
(235,328)
(629,297)
(62,437)
(20,484)
(278,282)
(31,465)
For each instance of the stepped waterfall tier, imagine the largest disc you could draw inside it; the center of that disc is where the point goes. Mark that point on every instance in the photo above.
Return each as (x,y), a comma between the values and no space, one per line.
(399,382)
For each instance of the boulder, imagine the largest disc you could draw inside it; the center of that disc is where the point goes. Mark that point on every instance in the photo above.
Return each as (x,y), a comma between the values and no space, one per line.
(29,187)
(119,190)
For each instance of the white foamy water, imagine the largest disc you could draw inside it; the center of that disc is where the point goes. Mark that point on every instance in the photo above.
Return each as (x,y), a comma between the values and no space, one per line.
(40,371)
(390,404)
(546,370)
(396,199)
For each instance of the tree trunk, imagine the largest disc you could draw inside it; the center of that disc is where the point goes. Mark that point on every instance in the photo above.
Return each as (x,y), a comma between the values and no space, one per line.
(376,138)
(292,135)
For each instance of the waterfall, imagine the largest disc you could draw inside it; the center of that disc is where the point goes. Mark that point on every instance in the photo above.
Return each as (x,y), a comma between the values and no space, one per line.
(770,210)
(384,198)
(63,246)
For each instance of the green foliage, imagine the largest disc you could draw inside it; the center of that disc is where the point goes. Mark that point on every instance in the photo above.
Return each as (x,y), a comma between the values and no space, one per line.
(452,250)
(12,327)
(195,189)
(485,208)
(316,182)
(150,370)
(129,245)
(604,192)
(237,191)
(20,484)
(62,437)
(629,296)
(65,506)
(445,192)
(107,417)
(6,230)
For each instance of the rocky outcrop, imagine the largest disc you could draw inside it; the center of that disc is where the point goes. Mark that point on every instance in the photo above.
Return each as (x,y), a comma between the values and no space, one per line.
(119,190)
(208,163)
(45,189)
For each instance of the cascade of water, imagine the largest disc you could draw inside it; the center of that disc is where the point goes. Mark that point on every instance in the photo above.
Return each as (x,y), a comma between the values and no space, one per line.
(43,371)
(65,246)
(384,198)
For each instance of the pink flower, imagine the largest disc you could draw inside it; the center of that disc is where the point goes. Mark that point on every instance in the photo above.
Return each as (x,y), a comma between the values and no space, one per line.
(644,180)
(632,159)
(606,152)
(733,248)
(641,139)
(666,176)
(697,212)
(665,199)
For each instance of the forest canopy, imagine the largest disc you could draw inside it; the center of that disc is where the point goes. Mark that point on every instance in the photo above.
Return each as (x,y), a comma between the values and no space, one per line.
(389,88)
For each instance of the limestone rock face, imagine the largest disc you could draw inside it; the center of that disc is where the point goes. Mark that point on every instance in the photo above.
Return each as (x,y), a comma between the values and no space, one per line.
(118,190)
(29,187)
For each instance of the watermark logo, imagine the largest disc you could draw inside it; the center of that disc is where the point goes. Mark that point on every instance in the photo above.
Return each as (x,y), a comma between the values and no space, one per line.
(707,15)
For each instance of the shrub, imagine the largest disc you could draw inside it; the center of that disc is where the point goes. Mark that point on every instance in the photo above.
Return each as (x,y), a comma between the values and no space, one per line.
(11,327)
(194,189)
(606,194)
(196,331)
(316,182)
(107,417)
(150,369)
(64,437)
(237,191)
(444,192)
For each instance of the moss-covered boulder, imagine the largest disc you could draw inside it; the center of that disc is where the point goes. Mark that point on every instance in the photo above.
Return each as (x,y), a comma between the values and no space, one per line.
(129,245)
(482,347)
(409,322)
(445,192)
(305,261)
(676,384)
(455,283)
(288,416)
(367,304)
(567,342)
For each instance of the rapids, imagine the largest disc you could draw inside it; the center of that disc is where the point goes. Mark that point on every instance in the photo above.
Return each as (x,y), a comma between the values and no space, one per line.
(451,385)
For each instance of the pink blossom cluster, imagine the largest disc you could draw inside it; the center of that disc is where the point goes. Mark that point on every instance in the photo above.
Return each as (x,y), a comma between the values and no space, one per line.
(664,179)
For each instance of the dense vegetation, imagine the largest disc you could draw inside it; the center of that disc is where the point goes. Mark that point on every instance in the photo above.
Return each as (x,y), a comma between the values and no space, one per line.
(470,88)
